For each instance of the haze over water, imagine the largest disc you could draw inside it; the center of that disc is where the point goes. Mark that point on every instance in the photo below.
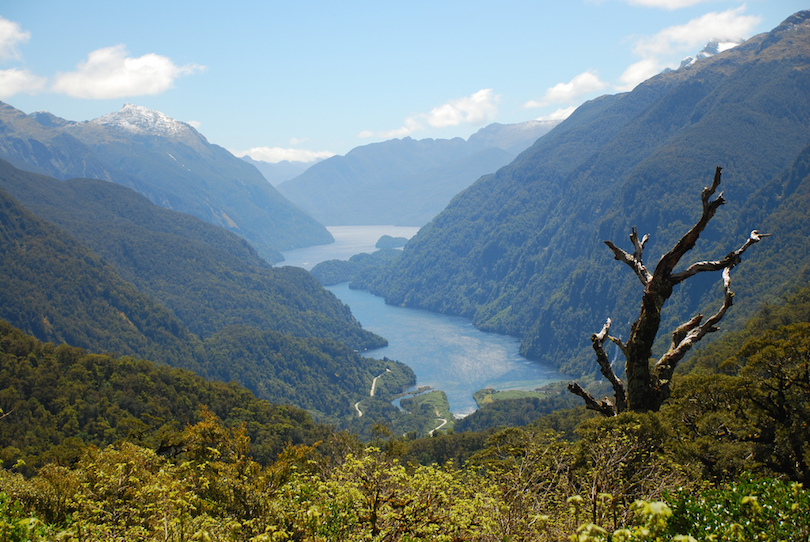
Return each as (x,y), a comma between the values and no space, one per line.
(446,352)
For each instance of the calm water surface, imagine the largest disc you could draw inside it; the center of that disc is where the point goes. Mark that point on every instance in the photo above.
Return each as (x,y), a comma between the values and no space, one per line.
(446,352)
(349,240)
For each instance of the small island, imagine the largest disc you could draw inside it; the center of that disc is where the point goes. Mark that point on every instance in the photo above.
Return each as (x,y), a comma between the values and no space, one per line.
(386,241)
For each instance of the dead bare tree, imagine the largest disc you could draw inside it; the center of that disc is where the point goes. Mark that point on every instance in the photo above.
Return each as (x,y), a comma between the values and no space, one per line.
(648,384)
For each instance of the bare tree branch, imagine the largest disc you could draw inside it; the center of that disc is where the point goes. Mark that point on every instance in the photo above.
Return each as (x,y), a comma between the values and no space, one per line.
(635,260)
(648,387)
(731,259)
(598,341)
(687,242)
(688,334)
(604,407)
(620,344)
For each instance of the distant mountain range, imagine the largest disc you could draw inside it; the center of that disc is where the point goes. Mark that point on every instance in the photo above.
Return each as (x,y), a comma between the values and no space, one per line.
(405,182)
(167,161)
(521,251)
(278,172)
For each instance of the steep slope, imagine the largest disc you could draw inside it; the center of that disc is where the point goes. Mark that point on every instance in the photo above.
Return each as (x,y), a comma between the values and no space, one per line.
(245,313)
(405,181)
(57,290)
(208,277)
(167,161)
(521,251)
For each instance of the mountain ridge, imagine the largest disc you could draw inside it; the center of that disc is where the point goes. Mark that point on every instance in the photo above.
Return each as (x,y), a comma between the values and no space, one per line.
(405,181)
(167,161)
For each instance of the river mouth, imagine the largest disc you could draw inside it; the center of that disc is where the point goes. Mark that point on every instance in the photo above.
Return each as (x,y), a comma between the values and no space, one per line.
(446,353)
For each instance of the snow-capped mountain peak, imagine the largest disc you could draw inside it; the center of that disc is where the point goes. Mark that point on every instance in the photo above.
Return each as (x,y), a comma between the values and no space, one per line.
(712,48)
(142,120)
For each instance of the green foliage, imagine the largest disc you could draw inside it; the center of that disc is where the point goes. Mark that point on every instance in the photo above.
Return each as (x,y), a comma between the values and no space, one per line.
(433,408)
(56,289)
(763,509)
(321,375)
(60,399)
(754,420)
(357,270)
(514,409)
(207,277)
(386,241)
(793,308)
(524,486)
(16,526)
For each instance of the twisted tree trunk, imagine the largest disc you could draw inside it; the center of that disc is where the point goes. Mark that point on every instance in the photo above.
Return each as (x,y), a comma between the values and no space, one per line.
(648,386)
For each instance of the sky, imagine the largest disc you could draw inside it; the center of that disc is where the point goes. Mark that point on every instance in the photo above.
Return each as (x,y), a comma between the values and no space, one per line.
(304,80)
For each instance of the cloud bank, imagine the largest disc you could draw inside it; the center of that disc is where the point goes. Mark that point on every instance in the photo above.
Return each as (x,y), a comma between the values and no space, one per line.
(729,25)
(111,73)
(278,154)
(584,83)
(477,109)
(107,73)
(14,80)
(11,36)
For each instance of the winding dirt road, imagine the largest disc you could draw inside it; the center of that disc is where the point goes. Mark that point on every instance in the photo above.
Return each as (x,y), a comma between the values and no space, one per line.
(371,392)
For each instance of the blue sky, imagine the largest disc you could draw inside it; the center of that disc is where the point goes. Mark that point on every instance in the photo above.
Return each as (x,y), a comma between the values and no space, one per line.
(305,79)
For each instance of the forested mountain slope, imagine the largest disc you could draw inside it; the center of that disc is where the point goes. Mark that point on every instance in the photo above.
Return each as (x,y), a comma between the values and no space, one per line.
(57,290)
(230,315)
(521,251)
(208,277)
(167,161)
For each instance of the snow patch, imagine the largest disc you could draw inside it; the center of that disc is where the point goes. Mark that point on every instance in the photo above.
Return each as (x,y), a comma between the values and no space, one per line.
(712,48)
(142,120)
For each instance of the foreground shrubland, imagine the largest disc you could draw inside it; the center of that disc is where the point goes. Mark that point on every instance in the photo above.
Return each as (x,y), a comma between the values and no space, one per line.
(617,482)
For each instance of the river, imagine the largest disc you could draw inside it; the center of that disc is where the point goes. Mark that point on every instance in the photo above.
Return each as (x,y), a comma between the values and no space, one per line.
(446,352)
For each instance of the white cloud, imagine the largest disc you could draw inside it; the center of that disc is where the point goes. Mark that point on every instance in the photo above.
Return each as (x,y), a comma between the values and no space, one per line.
(477,109)
(111,73)
(724,26)
(560,114)
(638,72)
(670,45)
(411,125)
(11,35)
(582,84)
(278,154)
(14,81)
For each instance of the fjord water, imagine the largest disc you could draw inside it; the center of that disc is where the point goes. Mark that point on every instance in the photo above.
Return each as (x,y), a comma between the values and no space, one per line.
(349,240)
(446,352)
